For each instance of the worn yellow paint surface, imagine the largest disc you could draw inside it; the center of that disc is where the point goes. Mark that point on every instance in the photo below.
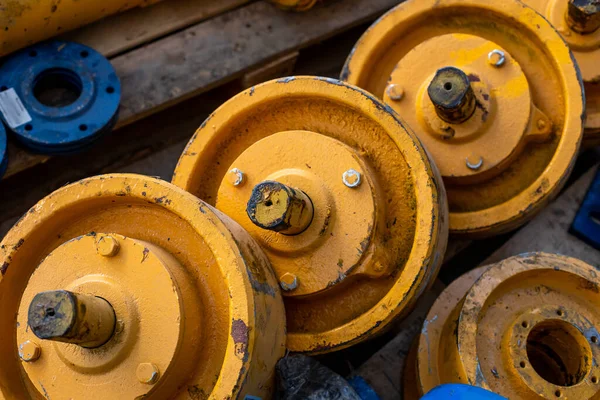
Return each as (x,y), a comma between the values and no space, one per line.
(25,22)
(538,81)
(295,5)
(525,328)
(193,295)
(370,250)
(586,49)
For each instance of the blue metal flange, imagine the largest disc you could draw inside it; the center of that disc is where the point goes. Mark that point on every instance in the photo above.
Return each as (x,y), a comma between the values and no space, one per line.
(58,97)
(3,151)
(586,225)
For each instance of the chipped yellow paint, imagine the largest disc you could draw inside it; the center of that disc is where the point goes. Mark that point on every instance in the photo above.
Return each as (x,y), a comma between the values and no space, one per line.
(295,5)
(370,250)
(525,328)
(25,22)
(586,49)
(193,296)
(514,154)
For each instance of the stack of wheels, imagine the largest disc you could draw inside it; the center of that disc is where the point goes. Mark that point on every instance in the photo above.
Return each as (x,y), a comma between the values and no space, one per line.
(578,21)
(525,328)
(492,91)
(124,286)
(339,194)
(26,22)
(58,97)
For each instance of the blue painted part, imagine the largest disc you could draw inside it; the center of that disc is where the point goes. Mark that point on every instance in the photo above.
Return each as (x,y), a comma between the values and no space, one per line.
(457,391)
(72,127)
(586,225)
(3,151)
(362,388)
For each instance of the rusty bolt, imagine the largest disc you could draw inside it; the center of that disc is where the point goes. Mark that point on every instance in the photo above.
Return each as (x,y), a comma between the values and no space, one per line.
(288,282)
(235,177)
(474,162)
(395,92)
(496,58)
(77,318)
(107,246)
(352,178)
(147,373)
(452,96)
(584,15)
(280,208)
(29,351)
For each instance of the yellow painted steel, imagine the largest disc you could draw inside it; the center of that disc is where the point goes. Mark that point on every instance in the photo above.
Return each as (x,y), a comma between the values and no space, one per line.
(25,22)
(525,328)
(295,5)
(379,224)
(513,154)
(586,49)
(197,308)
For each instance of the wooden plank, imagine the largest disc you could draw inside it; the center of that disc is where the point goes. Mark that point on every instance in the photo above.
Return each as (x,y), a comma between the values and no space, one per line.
(164,73)
(549,231)
(222,49)
(119,33)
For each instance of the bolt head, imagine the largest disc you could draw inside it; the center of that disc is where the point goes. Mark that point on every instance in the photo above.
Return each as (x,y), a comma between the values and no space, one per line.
(584,15)
(288,282)
(29,351)
(147,373)
(395,92)
(107,246)
(352,178)
(496,58)
(474,162)
(235,177)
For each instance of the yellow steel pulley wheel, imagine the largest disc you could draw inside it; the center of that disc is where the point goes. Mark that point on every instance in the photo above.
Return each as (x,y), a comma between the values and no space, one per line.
(578,21)
(124,286)
(339,194)
(525,328)
(25,22)
(491,90)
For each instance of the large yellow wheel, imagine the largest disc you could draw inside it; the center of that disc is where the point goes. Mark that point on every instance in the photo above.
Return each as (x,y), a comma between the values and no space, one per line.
(525,328)
(578,21)
(122,286)
(493,93)
(339,194)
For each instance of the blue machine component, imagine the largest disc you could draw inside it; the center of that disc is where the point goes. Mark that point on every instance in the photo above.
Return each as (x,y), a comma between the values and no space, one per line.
(362,388)
(586,225)
(457,391)
(3,151)
(58,97)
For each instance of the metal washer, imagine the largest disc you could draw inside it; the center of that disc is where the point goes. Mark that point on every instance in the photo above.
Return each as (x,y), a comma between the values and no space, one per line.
(69,126)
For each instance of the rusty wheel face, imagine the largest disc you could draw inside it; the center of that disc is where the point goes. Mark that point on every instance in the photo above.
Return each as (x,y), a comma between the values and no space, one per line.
(524,328)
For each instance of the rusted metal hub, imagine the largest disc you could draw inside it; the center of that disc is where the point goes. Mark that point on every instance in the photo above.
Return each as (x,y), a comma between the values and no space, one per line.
(280,208)
(584,15)
(484,104)
(451,93)
(119,283)
(578,21)
(64,316)
(526,327)
(337,193)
